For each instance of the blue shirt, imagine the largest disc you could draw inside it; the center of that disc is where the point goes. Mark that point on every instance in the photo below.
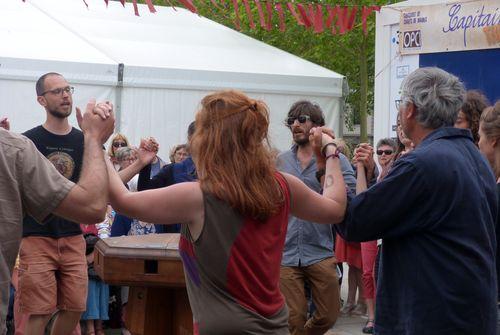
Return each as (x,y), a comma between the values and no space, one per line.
(436,212)
(184,171)
(307,242)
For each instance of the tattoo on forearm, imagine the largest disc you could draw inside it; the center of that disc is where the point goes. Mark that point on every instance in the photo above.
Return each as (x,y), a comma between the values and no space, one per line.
(328,181)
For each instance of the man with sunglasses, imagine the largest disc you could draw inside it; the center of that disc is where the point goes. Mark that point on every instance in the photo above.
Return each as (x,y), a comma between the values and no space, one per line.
(53,269)
(308,253)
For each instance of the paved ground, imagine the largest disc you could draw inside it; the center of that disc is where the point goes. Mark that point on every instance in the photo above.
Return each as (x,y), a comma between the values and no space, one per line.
(347,325)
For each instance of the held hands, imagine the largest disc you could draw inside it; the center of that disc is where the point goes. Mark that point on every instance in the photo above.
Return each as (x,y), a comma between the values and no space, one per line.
(4,123)
(147,150)
(320,137)
(363,157)
(98,121)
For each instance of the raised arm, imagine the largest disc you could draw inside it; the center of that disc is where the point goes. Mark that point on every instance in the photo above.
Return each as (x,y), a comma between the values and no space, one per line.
(327,208)
(177,203)
(87,200)
(145,155)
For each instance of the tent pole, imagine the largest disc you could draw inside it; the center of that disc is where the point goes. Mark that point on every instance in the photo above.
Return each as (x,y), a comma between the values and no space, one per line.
(118,103)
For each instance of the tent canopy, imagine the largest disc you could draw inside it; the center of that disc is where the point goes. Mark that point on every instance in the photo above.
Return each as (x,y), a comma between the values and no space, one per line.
(171,60)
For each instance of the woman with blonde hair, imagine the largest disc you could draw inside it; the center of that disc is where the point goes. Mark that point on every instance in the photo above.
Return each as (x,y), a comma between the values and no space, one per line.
(117,141)
(235,217)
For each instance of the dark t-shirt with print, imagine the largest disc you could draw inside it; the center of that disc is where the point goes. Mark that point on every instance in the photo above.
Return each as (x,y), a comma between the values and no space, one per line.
(66,153)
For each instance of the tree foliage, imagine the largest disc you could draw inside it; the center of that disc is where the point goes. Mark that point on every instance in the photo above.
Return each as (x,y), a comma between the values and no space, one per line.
(351,54)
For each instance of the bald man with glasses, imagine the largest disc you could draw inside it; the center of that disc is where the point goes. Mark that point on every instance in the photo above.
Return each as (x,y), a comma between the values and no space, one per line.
(52,268)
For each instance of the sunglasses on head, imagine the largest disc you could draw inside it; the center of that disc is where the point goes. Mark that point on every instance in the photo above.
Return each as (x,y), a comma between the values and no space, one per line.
(387,152)
(301,118)
(119,144)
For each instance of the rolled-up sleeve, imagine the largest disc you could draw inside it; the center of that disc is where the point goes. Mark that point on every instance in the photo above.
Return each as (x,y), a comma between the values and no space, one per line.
(42,186)
(389,208)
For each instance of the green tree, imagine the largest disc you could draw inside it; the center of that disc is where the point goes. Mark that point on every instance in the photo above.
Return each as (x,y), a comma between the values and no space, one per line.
(351,54)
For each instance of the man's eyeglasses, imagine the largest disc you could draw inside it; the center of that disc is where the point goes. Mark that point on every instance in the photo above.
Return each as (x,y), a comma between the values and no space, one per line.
(119,144)
(398,103)
(386,152)
(301,118)
(58,91)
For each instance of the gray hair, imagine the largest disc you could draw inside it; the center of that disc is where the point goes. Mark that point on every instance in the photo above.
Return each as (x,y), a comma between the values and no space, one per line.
(436,94)
(123,153)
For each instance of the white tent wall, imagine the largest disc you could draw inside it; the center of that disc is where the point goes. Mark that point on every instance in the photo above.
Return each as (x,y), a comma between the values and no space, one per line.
(166,113)
(17,87)
(34,44)
(171,60)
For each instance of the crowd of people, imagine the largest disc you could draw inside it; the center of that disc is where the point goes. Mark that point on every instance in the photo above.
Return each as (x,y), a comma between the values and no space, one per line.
(263,235)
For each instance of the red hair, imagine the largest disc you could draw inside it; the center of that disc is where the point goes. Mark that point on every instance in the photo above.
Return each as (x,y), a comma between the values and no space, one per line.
(231,152)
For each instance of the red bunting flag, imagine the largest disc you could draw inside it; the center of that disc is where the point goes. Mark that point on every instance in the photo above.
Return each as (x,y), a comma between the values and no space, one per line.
(318,19)
(365,13)
(261,14)
(151,7)
(345,20)
(281,16)
(290,7)
(123,2)
(305,15)
(189,5)
(106,1)
(249,14)
(332,13)
(136,8)
(237,15)
(269,7)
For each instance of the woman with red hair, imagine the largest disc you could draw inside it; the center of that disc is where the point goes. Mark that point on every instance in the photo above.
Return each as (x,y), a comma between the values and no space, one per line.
(235,217)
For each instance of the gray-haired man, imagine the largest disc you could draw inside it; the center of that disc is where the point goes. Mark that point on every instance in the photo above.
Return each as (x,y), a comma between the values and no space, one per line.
(436,212)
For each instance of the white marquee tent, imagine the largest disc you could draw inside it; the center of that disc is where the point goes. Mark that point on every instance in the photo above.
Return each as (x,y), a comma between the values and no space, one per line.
(155,68)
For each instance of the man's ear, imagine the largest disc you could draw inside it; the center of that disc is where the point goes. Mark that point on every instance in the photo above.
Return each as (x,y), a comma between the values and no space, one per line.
(411,111)
(41,100)
(494,142)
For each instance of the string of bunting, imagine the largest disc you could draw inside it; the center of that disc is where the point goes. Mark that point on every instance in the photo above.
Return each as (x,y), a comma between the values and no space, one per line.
(317,17)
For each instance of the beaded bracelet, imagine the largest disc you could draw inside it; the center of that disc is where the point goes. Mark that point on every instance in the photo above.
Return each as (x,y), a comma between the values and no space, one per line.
(323,150)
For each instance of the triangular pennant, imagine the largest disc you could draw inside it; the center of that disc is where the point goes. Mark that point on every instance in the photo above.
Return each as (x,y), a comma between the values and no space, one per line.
(318,19)
(290,7)
(332,13)
(281,16)
(136,8)
(151,7)
(123,2)
(261,14)
(365,13)
(237,15)
(269,7)
(305,15)
(249,14)
(345,20)
(188,4)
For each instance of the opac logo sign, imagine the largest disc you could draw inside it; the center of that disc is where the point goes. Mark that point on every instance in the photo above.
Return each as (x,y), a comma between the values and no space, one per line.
(412,39)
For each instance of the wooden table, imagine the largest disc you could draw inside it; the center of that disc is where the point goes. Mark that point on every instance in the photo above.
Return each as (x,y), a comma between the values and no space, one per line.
(151,266)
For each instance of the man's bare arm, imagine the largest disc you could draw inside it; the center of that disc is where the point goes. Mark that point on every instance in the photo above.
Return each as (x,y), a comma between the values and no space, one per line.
(87,200)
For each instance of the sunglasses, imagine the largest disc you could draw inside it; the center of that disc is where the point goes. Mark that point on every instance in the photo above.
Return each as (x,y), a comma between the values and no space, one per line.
(301,118)
(119,144)
(387,152)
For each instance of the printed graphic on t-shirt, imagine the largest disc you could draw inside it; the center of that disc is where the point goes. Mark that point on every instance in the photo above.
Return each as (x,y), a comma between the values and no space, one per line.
(63,162)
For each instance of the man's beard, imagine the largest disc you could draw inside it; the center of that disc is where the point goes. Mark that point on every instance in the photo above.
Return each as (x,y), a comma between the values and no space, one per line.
(59,114)
(301,141)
